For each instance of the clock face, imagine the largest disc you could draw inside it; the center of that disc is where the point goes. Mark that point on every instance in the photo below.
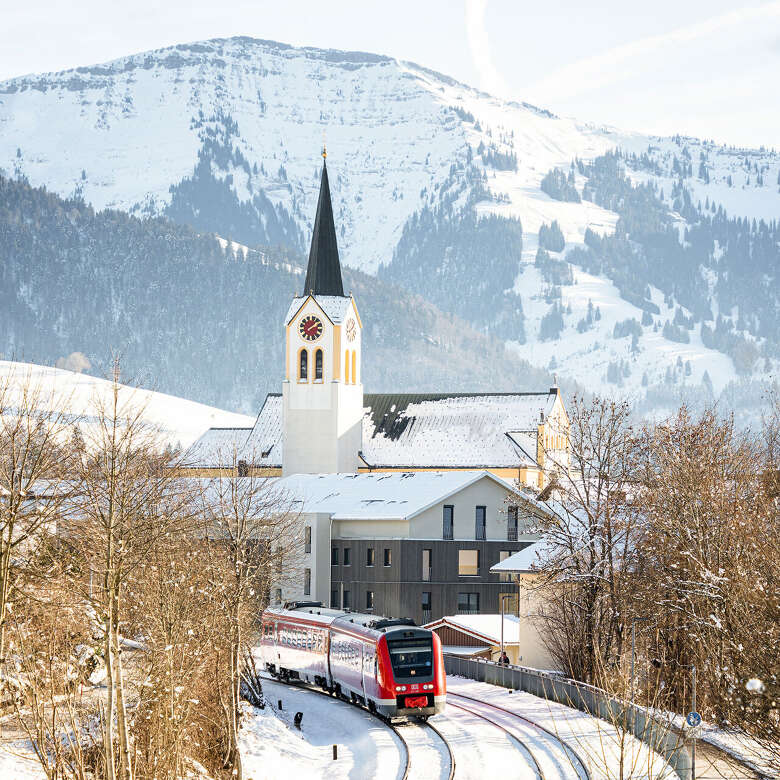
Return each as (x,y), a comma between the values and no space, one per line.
(351,330)
(310,328)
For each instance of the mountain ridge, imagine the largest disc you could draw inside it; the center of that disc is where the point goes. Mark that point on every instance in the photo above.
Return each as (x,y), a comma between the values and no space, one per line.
(218,135)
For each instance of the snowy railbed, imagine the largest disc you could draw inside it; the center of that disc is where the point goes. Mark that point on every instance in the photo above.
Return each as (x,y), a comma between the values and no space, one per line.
(272,747)
(594,741)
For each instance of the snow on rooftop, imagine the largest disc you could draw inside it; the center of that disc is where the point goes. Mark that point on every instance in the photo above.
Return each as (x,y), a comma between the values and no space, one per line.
(531,558)
(217,447)
(487,627)
(263,446)
(376,496)
(335,306)
(466,431)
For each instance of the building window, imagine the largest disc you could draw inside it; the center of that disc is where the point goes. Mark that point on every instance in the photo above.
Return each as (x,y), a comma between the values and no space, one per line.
(307,582)
(369,556)
(307,539)
(388,557)
(346,604)
(479,532)
(334,556)
(346,367)
(468,563)
(502,556)
(334,599)
(511,524)
(448,515)
(303,366)
(278,596)
(354,367)
(426,601)
(468,603)
(318,366)
(369,599)
(427,557)
(347,556)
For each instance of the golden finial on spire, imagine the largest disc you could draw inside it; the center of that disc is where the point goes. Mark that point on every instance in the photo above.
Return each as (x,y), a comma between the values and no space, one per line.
(324,149)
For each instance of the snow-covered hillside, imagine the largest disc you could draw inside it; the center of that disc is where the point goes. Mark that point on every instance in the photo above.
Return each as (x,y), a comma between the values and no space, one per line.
(179,421)
(225,134)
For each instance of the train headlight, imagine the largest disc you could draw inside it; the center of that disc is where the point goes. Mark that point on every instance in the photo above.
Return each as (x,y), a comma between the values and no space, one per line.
(400,688)
(428,687)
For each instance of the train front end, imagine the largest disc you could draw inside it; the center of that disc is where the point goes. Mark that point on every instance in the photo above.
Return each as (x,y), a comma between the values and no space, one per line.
(410,672)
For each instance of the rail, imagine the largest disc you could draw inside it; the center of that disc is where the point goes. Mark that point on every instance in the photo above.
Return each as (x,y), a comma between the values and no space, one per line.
(654,732)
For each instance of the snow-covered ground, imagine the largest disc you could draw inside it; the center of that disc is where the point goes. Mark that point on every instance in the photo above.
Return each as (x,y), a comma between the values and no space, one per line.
(18,761)
(180,421)
(273,747)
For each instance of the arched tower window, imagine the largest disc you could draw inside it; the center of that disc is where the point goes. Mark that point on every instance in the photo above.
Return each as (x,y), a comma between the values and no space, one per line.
(318,365)
(346,367)
(354,367)
(303,365)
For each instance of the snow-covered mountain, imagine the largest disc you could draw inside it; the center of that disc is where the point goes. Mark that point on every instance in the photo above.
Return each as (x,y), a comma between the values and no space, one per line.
(437,187)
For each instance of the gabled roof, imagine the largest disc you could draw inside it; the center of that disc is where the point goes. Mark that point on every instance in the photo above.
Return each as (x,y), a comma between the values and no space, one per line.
(263,445)
(457,430)
(484,628)
(216,448)
(413,430)
(394,495)
(323,275)
(335,308)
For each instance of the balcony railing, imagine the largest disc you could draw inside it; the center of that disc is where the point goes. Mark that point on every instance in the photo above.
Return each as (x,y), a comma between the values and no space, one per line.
(426,573)
(426,616)
(468,610)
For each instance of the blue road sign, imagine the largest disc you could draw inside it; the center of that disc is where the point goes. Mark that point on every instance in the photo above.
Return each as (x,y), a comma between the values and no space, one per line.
(693,719)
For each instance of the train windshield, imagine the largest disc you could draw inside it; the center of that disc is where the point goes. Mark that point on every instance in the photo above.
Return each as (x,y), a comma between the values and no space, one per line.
(411,657)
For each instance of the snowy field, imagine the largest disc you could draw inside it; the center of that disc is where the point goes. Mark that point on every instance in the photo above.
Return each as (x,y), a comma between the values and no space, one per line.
(180,421)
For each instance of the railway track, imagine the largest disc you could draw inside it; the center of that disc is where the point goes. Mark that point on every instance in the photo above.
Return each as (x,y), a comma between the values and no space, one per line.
(407,760)
(575,760)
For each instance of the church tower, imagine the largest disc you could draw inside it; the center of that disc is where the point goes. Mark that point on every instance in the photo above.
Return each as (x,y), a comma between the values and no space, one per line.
(322,390)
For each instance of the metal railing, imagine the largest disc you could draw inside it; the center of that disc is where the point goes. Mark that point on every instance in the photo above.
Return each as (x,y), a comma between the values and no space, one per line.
(654,732)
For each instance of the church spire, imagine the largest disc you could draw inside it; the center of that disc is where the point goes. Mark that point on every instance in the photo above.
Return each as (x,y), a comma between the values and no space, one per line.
(323,276)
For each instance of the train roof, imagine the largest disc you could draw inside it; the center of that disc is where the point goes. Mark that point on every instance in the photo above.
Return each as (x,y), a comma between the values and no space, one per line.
(313,611)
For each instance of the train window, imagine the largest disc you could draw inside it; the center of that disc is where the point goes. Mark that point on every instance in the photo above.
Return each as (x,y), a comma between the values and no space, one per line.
(411,657)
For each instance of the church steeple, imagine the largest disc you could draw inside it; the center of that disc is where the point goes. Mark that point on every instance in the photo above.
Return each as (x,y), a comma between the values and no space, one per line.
(323,276)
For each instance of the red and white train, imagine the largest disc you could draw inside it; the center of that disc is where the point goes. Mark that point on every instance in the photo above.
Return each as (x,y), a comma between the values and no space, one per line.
(391,666)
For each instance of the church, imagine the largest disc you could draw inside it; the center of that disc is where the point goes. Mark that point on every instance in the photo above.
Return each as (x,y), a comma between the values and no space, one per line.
(407,499)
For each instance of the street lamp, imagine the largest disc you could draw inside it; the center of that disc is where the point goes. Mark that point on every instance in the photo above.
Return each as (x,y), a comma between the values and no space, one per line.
(504,597)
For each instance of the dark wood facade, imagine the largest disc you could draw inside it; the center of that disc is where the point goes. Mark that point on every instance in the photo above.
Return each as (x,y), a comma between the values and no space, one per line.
(403,588)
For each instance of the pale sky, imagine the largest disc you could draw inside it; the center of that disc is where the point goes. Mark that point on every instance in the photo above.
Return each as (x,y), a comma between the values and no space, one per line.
(710,69)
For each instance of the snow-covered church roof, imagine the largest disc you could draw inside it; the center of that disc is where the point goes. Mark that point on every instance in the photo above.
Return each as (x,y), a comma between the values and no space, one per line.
(406,430)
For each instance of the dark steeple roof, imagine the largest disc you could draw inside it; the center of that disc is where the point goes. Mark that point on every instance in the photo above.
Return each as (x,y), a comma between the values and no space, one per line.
(323,276)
